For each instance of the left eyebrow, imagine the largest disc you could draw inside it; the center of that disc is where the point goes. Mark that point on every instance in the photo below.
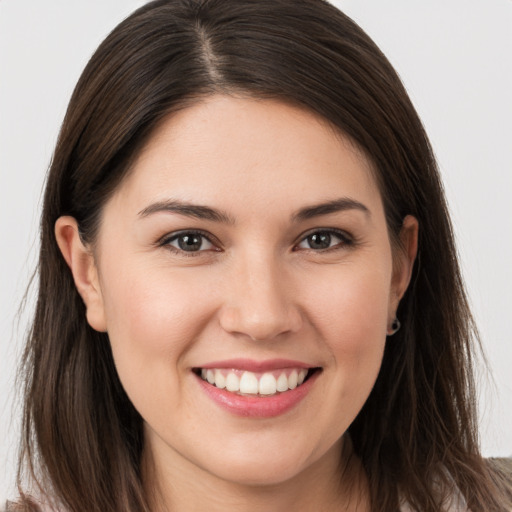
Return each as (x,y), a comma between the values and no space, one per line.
(334,206)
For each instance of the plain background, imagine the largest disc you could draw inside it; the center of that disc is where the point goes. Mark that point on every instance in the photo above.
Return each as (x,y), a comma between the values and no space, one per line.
(454,57)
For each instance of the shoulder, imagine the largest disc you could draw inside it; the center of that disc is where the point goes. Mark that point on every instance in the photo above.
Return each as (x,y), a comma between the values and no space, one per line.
(502,464)
(502,475)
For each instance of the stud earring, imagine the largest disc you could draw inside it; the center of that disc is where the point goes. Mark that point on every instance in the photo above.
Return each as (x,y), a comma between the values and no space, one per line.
(395,326)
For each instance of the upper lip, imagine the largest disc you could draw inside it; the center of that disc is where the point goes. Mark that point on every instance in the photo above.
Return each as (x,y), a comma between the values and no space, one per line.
(257,366)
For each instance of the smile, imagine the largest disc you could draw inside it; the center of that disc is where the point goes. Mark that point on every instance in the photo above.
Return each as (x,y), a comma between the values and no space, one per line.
(245,382)
(257,389)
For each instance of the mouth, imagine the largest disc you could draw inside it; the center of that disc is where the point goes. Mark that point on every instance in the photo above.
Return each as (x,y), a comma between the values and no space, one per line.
(257,389)
(256,384)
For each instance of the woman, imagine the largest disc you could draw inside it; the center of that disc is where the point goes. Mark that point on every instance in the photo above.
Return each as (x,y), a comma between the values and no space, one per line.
(249,295)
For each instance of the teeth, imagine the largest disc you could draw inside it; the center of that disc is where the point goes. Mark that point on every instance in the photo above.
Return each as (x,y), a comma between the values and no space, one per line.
(249,383)
(232,382)
(282,383)
(292,380)
(220,380)
(268,384)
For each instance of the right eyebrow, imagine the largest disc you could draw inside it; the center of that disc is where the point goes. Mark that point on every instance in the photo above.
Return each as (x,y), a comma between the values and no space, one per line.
(187,209)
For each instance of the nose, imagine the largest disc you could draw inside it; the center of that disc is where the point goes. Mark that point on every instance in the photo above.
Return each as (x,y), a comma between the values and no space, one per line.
(260,301)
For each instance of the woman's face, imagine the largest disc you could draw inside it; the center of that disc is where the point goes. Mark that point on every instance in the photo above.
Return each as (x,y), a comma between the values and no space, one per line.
(247,249)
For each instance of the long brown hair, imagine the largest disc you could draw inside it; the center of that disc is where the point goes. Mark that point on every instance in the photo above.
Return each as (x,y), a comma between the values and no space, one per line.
(417,432)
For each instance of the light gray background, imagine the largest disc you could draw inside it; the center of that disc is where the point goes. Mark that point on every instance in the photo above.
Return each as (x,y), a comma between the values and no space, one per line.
(455,59)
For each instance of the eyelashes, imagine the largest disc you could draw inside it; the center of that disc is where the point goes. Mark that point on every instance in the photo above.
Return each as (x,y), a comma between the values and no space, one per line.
(192,242)
(325,239)
(189,242)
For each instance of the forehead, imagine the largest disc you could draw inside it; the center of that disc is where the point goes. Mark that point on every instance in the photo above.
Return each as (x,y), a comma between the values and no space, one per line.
(246,152)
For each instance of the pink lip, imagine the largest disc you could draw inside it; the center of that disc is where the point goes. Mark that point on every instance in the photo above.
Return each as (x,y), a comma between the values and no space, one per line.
(256,366)
(261,406)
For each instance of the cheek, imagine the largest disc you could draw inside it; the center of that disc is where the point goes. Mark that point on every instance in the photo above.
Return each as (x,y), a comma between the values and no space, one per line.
(353,307)
(153,318)
(351,316)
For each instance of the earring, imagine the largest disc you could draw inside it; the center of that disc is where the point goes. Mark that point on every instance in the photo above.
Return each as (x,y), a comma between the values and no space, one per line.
(395,326)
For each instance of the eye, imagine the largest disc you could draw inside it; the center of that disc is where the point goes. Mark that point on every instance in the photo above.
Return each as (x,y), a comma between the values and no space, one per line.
(188,241)
(324,239)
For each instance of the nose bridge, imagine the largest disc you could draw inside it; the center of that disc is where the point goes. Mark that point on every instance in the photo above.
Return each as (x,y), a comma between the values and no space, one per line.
(260,302)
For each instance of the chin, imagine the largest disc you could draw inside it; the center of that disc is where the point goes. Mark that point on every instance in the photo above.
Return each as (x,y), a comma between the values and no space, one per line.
(264,465)
(258,474)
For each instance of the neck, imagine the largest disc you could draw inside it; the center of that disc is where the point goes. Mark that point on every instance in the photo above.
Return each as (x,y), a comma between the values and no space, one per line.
(336,482)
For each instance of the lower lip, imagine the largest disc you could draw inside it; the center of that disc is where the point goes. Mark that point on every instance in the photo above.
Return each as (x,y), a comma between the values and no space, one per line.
(258,406)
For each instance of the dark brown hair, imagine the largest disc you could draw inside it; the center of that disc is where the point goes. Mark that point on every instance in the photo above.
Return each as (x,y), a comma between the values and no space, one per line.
(417,432)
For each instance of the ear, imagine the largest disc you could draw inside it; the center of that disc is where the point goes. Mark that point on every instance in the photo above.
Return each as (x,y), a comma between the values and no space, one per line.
(83,268)
(403,263)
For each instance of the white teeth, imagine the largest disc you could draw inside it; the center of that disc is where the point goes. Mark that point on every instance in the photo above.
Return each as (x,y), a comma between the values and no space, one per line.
(282,383)
(232,382)
(292,379)
(249,383)
(220,380)
(267,385)
(210,376)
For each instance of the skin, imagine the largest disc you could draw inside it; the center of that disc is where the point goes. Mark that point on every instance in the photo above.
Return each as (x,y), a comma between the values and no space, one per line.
(257,289)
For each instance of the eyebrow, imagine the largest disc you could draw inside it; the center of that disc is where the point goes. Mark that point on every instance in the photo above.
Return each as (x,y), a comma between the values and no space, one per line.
(212,214)
(188,209)
(334,206)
